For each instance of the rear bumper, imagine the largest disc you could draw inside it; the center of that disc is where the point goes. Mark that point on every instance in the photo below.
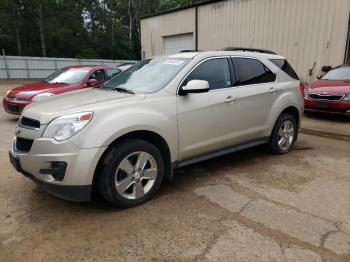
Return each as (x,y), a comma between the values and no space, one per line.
(14,107)
(327,107)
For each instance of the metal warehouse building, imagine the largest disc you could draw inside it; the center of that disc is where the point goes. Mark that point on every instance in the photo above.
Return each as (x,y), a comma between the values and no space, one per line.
(304,31)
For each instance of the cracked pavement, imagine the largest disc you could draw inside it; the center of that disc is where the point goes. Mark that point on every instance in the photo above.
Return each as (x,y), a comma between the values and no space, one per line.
(247,206)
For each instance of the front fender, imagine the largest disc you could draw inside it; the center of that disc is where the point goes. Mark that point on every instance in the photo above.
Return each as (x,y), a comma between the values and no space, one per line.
(106,127)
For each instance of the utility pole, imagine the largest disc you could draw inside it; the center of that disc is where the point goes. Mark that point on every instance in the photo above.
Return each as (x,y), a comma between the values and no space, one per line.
(5,62)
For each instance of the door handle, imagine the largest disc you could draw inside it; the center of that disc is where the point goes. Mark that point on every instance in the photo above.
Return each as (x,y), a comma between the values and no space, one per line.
(273,90)
(230,99)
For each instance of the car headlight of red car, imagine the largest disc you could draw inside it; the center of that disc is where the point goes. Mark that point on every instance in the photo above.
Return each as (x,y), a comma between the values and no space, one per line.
(306,93)
(346,97)
(42,96)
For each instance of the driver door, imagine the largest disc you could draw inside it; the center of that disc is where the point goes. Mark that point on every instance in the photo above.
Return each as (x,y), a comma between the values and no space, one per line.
(208,121)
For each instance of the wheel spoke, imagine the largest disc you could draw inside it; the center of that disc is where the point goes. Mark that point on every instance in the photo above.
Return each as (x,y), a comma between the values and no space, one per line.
(281,141)
(150,174)
(138,190)
(281,132)
(126,166)
(286,143)
(142,160)
(123,185)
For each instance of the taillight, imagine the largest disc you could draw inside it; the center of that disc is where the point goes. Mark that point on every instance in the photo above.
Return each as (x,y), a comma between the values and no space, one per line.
(302,88)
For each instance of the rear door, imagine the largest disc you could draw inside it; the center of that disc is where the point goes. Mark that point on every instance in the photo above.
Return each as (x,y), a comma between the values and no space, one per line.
(208,121)
(258,90)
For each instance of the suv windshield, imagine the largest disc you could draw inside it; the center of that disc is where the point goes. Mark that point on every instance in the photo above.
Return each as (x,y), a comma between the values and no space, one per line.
(341,73)
(148,76)
(67,75)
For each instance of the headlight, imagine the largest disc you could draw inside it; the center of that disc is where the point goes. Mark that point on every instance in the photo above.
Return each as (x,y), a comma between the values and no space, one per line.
(65,127)
(8,91)
(346,97)
(306,93)
(41,96)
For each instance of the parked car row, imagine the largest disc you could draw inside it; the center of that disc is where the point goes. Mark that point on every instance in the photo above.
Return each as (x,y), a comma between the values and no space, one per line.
(126,136)
(64,80)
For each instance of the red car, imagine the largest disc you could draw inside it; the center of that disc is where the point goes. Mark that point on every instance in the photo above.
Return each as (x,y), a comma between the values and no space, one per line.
(331,93)
(64,80)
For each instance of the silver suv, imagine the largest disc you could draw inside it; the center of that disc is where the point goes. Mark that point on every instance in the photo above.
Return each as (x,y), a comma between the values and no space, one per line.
(161,114)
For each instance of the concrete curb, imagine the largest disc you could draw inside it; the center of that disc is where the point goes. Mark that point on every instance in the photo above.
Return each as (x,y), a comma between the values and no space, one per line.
(325,134)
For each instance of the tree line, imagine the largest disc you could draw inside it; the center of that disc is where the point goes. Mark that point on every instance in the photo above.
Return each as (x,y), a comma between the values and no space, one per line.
(108,29)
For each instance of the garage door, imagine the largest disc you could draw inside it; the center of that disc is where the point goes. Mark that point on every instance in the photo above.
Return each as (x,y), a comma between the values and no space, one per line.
(177,43)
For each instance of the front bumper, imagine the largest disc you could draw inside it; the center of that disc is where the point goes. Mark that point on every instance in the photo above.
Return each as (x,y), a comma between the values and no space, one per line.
(75,175)
(14,107)
(329,107)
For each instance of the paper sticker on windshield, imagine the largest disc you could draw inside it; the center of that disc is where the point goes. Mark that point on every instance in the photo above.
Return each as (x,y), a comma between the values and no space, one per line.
(173,62)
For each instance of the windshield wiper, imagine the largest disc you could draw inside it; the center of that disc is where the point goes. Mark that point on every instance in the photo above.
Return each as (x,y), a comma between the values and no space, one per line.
(123,90)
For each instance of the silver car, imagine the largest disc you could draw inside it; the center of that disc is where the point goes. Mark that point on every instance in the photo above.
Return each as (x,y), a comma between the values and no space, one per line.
(161,114)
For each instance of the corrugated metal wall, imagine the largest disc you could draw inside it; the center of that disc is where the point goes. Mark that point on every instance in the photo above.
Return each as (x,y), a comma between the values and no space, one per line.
(21,67)
(304,31)
(154,29)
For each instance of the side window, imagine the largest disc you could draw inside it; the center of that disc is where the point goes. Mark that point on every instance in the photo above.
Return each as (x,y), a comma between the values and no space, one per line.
(252,71)
(111,72)
(215,71)
(286,67)
(98,75)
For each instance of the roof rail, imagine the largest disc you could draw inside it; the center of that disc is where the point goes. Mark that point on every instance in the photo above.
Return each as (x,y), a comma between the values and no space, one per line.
(246,49)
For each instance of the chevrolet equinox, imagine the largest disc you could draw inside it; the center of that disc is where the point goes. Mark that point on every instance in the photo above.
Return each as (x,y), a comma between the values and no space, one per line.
(124,137)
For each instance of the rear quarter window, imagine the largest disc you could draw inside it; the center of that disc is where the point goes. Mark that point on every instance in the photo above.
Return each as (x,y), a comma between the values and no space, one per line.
(285,67)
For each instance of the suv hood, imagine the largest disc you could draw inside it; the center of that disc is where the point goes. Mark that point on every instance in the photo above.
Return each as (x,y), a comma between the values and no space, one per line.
(333,87)
(77,101)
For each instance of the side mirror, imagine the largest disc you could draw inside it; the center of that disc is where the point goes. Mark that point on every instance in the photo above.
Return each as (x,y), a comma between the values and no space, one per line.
(319,77)
(326,69)
(196,86)
(92,82)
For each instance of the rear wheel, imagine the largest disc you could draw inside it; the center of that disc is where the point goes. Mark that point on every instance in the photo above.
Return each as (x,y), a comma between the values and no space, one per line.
(284,134)
(131,173)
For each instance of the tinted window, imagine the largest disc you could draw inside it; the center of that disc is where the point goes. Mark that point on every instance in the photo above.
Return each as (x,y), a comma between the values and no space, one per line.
(98,75)
(286,67)
(252,71)
(215,71)
(110,73)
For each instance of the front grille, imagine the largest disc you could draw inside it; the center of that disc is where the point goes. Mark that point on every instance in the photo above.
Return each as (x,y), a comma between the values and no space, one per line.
(29,123)
(13,109)
(326,97)
(23,145)
(335,110)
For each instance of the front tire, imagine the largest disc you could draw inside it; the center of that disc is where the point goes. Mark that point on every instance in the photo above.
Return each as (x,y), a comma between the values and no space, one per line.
(284,134)
(131,173)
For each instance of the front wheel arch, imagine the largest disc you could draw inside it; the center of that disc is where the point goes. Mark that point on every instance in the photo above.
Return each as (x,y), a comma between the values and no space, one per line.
(148,136)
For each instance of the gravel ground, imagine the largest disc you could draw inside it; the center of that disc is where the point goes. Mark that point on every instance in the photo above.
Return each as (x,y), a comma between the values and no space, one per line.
(248,206)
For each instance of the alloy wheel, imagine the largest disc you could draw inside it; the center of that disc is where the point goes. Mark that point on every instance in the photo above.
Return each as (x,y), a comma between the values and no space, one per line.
(286,135)
(136,175)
